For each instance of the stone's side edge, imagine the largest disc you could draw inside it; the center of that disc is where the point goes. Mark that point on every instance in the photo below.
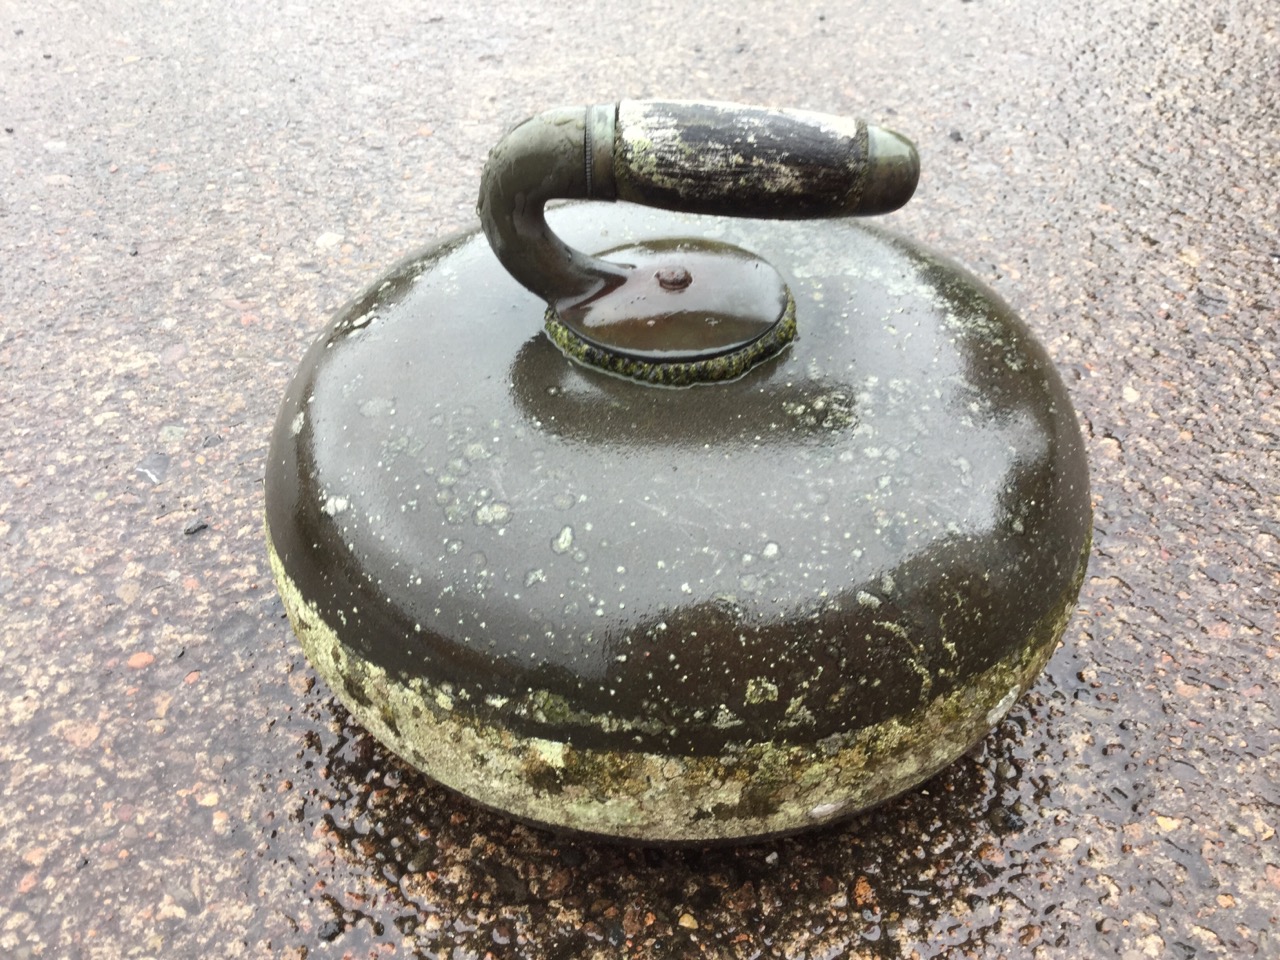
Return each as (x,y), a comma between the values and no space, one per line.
(753,791)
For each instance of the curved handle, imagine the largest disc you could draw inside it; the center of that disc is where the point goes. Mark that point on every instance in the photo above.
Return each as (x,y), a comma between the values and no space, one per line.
(715,158)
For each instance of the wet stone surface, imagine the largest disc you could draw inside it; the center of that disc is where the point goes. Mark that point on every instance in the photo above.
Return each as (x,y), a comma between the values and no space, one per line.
(189,192)
(744,621)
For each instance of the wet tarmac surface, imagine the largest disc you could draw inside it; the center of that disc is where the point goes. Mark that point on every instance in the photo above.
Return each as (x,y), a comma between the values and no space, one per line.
(188,191)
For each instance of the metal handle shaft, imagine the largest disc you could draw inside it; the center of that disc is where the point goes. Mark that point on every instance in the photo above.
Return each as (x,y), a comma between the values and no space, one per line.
(712,158)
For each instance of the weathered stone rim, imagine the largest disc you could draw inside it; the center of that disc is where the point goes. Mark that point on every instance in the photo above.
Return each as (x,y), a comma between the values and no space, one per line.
(759,791)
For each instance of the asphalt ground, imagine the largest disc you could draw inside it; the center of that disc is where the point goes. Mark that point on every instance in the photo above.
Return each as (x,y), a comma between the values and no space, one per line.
(187,192)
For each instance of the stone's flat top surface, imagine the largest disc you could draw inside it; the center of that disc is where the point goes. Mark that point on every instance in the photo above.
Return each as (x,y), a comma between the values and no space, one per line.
(188,191)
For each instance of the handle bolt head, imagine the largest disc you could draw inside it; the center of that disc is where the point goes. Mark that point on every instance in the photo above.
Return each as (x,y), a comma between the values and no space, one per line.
(674,278)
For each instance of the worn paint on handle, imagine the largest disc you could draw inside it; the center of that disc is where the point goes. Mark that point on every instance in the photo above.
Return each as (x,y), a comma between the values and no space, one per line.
(734,160)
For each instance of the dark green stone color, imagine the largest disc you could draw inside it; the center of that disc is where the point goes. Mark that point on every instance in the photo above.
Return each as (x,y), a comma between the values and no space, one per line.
(864,548)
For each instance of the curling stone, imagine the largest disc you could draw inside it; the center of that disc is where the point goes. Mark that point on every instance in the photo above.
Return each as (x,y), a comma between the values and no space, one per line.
(775,517)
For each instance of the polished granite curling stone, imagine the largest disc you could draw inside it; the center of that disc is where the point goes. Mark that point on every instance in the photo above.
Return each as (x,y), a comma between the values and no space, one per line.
(776,517)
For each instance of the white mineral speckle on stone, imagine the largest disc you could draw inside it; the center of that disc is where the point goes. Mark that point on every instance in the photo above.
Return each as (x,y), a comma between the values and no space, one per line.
(335,505)
(563,541)
(295,427)
(824,810)
(770,551)
(997,713)
(868,600)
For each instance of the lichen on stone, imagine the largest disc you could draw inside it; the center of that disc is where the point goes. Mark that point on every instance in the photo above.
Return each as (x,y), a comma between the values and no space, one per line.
(748,790)
(725,367)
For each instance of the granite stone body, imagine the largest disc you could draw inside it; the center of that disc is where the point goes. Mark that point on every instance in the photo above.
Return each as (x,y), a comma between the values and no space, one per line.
(724,611)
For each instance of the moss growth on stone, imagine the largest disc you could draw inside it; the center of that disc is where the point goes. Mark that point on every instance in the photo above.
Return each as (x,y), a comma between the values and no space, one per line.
(751,790)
